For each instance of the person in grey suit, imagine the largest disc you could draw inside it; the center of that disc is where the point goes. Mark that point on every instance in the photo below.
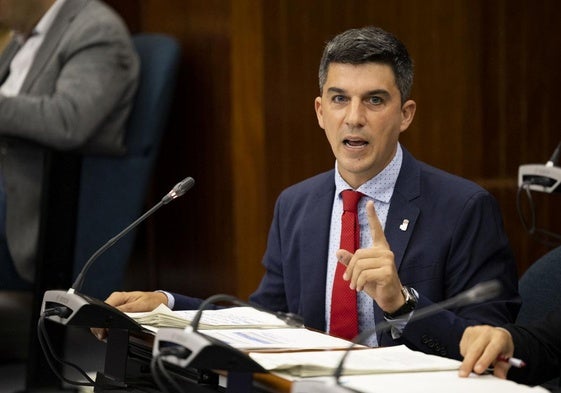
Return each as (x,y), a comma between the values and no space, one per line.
(68,79)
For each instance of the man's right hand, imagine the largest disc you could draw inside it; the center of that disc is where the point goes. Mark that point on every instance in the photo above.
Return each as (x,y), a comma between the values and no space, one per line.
(135,301)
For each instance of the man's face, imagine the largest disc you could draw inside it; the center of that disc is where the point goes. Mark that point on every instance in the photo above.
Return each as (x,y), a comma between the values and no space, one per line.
(361,112)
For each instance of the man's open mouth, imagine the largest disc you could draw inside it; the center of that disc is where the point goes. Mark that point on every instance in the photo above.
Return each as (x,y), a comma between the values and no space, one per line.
(355,142)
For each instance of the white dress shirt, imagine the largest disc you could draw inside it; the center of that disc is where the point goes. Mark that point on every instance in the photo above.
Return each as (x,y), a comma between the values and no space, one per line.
(22,61)
(380,190)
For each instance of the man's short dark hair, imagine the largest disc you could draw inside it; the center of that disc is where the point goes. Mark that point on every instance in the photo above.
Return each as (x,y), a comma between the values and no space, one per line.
(369,45)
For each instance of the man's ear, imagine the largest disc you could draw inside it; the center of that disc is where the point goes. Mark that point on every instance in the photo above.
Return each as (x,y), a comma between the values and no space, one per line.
(407,114)
(319,111)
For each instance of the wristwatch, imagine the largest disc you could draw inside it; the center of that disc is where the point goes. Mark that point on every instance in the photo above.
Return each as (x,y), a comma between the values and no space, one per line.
(410,304)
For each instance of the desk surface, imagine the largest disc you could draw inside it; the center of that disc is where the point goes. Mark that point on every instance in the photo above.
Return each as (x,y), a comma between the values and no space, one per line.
(139,355)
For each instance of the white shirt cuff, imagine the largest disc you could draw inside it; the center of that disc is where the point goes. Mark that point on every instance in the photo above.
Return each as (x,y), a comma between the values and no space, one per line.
(171,299)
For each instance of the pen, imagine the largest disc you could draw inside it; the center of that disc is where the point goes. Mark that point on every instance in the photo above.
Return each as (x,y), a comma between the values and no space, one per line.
(518,363)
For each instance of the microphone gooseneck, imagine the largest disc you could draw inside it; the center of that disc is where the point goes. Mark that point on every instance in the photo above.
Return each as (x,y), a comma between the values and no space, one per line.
(178,190)
(289,318)
(193,348)
(555,156)
(72,308)
(478,293)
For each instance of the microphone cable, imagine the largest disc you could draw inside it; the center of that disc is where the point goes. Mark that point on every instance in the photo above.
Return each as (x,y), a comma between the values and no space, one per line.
(158,367)
(548,238)
(290,319)
(52,357)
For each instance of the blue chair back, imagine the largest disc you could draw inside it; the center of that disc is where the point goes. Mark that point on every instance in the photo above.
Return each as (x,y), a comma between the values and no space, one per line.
(539,287)
(113,189)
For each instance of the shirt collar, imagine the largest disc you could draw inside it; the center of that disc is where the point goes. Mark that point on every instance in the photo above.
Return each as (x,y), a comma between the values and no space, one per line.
(381,186)
(47,20)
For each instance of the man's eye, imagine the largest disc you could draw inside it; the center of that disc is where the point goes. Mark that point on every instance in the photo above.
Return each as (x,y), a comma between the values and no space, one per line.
(339,99)
(375,100)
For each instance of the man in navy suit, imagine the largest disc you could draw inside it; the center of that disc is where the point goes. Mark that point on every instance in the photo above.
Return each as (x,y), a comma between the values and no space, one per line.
(426,235)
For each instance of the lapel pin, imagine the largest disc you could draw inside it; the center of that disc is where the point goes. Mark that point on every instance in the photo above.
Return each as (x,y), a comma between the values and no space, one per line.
(404,225)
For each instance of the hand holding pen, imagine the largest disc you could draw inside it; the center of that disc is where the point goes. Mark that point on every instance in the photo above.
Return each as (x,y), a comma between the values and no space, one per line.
(483,346)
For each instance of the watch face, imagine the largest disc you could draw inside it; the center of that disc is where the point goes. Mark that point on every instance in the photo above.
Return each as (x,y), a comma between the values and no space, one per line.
(406,294)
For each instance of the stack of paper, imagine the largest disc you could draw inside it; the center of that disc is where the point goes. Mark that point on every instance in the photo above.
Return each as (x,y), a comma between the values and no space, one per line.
(288,339)
(359,361)
(429,382)
(226,318)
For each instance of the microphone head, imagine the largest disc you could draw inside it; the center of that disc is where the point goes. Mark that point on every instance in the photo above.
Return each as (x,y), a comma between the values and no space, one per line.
(482,291)
(183,186)
(290,319)
(179,189)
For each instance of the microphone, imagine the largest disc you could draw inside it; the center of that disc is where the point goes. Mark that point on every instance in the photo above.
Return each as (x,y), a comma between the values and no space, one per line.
(554,157)
(204,352)
(478,293)
(78,309)
(542,177)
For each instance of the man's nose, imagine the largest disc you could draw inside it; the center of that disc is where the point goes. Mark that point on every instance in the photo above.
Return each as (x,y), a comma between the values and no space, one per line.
(356,114)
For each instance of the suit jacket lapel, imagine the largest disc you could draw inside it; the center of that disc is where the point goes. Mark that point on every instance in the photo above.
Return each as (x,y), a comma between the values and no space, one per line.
(6,58)
(314,255)
(403,214)
(62,21)
(401,220)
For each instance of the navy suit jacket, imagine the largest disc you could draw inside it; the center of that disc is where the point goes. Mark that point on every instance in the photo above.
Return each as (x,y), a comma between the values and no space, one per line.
(454,240)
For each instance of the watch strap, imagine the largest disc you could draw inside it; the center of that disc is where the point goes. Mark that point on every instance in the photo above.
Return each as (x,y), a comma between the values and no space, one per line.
(408,306)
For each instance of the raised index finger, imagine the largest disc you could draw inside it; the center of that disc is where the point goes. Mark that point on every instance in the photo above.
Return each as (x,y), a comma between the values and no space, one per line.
(376,231)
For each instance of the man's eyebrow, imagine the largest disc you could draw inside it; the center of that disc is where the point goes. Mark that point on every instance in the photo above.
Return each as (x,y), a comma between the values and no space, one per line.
(338,90)
(378,92)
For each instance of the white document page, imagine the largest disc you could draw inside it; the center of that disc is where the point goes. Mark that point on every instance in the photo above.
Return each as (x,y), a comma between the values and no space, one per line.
(232,317)
(435,382)
(277,339)
(361,361)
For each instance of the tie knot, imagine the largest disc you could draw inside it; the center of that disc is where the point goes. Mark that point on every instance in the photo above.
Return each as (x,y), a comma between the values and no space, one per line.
(350,200)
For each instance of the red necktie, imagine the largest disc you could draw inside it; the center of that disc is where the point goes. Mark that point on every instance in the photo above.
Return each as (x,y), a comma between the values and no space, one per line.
(344,314)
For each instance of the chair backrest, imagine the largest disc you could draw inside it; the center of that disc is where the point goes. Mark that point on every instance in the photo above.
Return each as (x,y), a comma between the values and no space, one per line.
(539,287)
(113,189)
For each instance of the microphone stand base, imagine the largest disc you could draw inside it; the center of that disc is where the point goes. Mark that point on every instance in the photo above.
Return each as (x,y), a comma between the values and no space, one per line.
(81,310)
